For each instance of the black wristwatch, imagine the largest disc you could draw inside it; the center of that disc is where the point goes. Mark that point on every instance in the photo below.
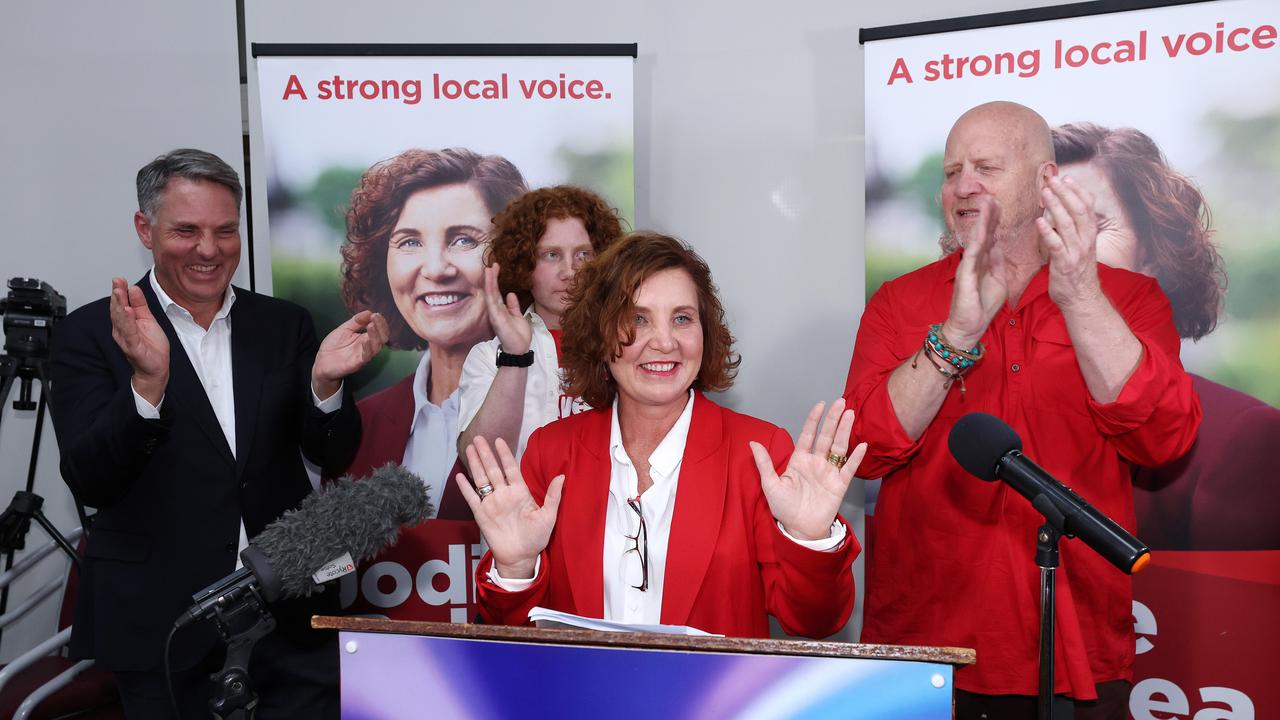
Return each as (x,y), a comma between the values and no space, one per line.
(506,359)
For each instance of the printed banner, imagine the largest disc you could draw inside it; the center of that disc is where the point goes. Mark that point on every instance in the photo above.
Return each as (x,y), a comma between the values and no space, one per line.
(1179,111)
(355,146)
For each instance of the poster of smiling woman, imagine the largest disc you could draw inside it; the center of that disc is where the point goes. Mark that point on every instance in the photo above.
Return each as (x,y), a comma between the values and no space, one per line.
(385,167)
(1170,118)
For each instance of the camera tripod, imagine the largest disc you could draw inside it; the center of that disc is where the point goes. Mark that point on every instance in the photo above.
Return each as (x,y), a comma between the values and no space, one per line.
(15,521)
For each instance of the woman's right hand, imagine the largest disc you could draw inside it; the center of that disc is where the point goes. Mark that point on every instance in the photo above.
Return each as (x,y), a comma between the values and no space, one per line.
(515,527)
(510,325)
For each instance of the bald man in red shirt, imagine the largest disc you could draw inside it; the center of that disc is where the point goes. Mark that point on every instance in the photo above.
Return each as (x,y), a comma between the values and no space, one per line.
(1079,358)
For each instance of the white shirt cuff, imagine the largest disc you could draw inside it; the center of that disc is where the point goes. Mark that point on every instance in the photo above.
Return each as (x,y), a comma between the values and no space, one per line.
(827,544)
(514,585)
(145,409)
(329,404)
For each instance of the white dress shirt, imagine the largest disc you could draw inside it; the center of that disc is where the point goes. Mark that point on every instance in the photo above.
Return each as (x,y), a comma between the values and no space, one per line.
(623,602)
(210,354)
(433,436)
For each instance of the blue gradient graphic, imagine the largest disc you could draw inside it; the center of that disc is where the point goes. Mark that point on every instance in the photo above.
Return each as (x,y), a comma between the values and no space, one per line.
(390,677)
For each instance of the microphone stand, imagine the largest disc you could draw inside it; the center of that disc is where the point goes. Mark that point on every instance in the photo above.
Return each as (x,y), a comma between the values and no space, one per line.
(1047,557)
(241,624)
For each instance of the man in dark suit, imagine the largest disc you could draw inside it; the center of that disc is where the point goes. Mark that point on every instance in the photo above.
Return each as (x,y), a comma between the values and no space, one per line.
(183,409)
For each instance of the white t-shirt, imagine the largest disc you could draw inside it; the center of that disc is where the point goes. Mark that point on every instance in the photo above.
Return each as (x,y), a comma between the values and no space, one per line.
(543,399)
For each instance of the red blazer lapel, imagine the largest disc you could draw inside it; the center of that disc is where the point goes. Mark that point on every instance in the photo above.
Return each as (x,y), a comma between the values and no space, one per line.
(453,506)
(385,416)
(585,499)
(700,498)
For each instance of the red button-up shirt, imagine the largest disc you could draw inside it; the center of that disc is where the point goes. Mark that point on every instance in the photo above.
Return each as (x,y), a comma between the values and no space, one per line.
(954,557)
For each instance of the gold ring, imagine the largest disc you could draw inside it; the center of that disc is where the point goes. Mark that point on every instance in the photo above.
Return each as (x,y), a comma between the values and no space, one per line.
(484,491)
(837,460)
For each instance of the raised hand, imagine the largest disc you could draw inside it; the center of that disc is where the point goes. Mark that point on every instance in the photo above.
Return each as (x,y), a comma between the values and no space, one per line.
(980,287)
(509,324)
(513,524)
(141,338)
(348,348)
(1071,242)
(807,496)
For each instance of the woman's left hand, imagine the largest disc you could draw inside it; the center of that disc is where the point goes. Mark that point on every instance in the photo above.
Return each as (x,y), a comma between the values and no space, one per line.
(807,496)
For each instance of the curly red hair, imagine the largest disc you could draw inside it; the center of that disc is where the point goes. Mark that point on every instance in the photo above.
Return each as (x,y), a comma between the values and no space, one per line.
(597,321)
(519,227)
(1168,214)
(375,208)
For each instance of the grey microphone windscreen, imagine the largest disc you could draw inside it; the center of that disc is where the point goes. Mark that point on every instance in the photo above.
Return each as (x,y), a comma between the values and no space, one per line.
(356,516)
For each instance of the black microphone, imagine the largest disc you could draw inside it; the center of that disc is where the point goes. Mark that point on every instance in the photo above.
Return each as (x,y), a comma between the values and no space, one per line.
(987,447)
(334,528)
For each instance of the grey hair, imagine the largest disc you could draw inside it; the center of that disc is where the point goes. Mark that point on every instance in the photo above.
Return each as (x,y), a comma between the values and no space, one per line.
(185,163)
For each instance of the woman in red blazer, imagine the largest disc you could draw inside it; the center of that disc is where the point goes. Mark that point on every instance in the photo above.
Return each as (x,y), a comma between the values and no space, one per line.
(740,524)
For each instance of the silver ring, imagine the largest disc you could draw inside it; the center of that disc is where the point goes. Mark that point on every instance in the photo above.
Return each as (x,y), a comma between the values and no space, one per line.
(484,491)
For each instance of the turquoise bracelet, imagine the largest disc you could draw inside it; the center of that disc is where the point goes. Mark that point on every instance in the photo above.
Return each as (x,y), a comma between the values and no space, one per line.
(959,359)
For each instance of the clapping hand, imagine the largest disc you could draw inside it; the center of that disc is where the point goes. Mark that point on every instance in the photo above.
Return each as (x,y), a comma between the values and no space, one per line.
(509,324)
(348,348)
(980,287)
(1071,242)
(807,496)
(516,528)
(141,338)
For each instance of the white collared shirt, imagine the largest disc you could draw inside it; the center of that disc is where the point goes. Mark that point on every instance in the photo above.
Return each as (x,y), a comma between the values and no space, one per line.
(210,354)
(623,601)
(433,436)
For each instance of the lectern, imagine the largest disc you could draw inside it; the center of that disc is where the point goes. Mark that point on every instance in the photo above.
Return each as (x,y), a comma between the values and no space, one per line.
(393,669)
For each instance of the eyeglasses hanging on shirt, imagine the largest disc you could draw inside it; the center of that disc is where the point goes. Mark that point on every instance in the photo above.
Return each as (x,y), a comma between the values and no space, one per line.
(639,546)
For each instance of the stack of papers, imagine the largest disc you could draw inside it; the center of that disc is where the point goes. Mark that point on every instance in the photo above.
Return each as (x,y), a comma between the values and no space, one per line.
(543,618)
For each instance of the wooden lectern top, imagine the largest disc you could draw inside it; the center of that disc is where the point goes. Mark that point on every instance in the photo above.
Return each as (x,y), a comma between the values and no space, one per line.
(652,641)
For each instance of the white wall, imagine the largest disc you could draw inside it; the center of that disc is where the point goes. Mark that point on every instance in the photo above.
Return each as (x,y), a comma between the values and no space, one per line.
(748,145)
(93,91)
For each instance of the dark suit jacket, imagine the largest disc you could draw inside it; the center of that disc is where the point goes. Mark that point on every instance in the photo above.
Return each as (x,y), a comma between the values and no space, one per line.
(728,564)
(169,492)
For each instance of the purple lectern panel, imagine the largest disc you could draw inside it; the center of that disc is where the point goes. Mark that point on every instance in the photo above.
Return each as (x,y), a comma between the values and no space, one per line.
(394,677)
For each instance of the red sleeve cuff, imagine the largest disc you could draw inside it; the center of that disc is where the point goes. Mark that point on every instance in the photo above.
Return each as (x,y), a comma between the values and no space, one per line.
(1140,396)
(818,563)
(876,423)
(502,607)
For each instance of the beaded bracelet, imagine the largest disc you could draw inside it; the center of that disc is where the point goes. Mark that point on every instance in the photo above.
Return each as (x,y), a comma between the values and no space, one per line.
(955,362)
(960,359)
(946,370)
